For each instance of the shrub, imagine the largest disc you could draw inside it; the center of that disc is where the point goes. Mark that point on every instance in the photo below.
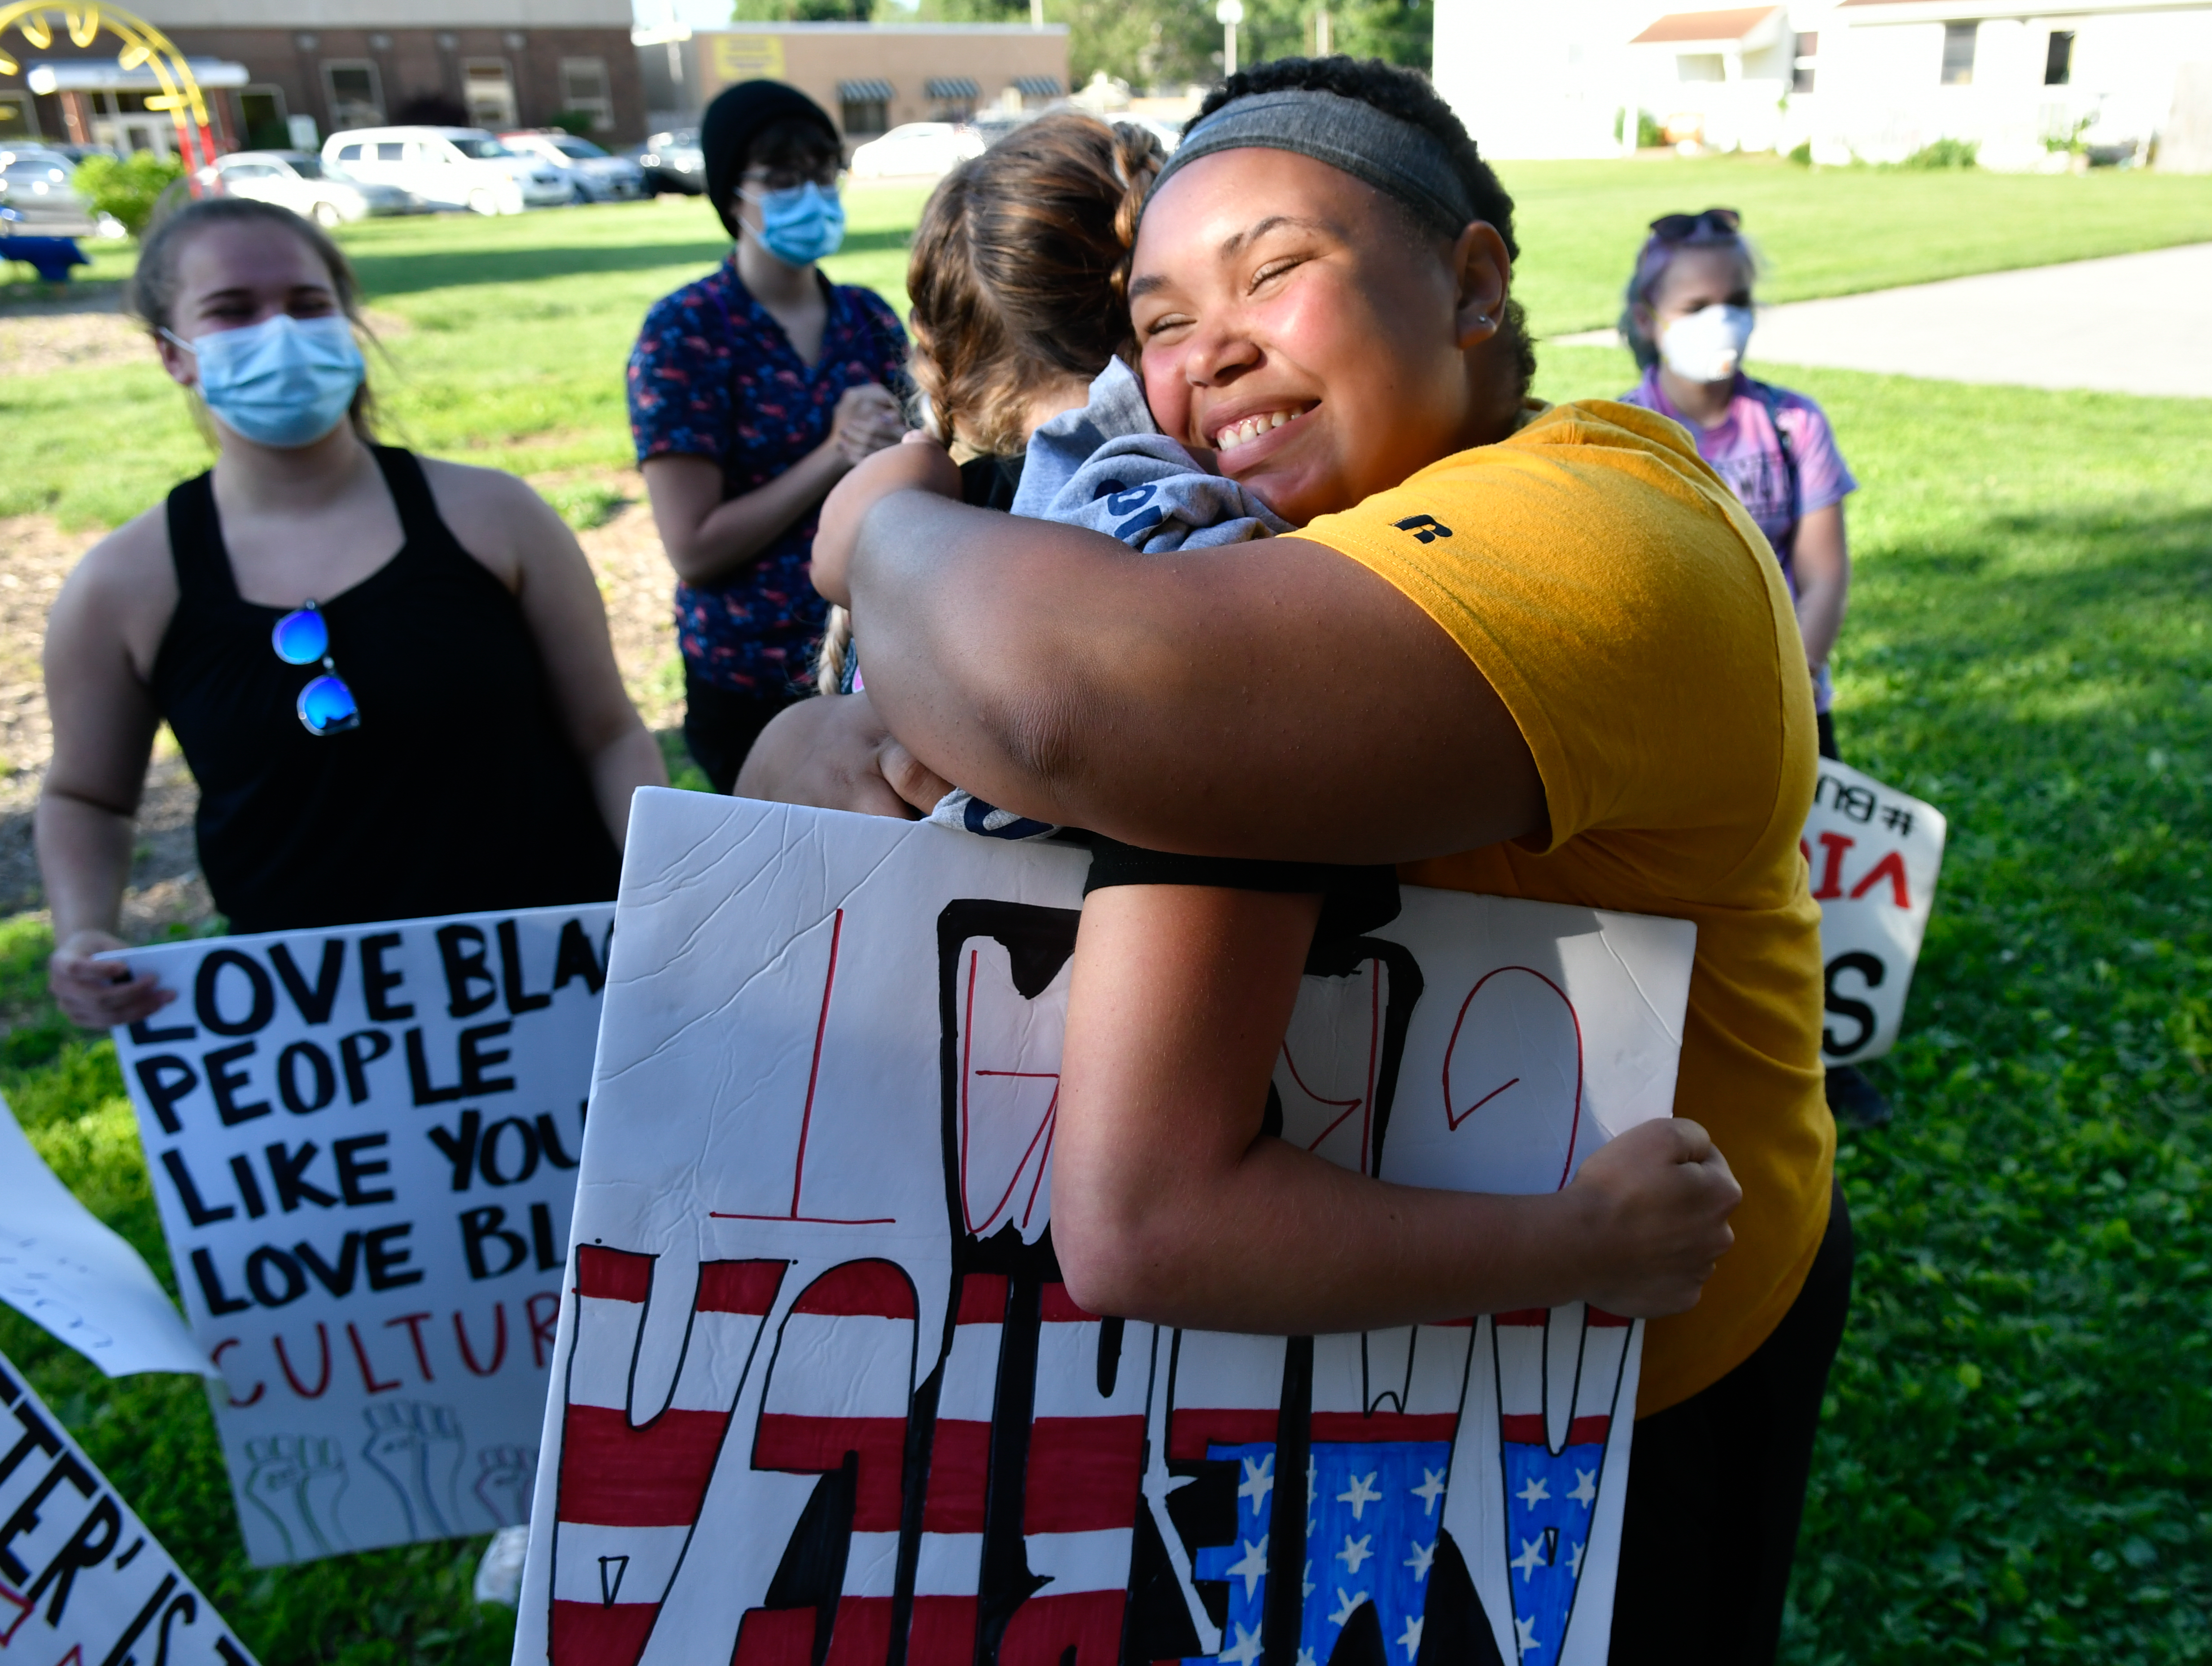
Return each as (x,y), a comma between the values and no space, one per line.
(1944,153)
(127,189)
(1802,155)
(1648,133)
(578,123)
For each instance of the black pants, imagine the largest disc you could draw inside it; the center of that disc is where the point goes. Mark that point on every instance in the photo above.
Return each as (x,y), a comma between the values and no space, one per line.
(1827,721)
(721,725)
(1716,1485)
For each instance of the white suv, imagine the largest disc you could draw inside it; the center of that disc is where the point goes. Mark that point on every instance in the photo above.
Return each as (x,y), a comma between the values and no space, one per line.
(449,166)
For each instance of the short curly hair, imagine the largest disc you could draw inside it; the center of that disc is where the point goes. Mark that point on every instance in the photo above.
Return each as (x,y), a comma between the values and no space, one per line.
(1408,95)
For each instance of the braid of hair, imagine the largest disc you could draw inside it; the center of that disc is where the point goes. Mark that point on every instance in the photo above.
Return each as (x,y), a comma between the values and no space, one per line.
(836,649)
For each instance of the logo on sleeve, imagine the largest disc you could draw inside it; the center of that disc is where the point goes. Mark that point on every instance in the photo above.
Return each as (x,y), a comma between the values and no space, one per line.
(1426,528)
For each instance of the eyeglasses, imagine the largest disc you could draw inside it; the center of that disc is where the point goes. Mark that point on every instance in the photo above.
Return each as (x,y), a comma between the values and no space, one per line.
(326,704)
(1680,227)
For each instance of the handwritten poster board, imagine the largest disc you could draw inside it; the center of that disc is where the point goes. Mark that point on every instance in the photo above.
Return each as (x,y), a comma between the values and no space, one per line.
(64,1269)
(821,1394)
(81,1581)
(1874,853)
(363,1143)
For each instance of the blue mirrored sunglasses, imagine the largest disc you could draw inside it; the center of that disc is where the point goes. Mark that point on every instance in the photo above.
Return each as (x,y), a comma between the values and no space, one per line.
(326,704)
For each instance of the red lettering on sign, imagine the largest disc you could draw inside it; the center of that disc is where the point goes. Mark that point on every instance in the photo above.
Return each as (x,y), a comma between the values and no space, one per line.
(1891,868)
(368,1378)
(1832,870)
(323,1340)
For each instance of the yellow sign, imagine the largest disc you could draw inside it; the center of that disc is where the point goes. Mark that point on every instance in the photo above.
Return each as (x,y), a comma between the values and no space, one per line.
(736,57)
(143,46)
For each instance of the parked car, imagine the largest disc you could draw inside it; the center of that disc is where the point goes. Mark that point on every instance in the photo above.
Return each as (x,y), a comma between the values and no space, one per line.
(917,147)
(35,183)
(594,175)
(673,161)
(298,180)
(448,168)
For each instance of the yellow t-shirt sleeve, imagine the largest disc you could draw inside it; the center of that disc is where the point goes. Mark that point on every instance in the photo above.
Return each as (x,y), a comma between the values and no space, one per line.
(1627,611)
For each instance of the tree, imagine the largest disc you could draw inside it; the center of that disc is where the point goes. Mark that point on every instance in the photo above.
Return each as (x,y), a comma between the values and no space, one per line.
(801,11)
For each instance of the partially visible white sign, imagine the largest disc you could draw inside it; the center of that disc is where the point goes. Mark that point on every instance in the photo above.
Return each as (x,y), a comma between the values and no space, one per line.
(60,1268)
(363,1141)
(80,1578)
(1874,853)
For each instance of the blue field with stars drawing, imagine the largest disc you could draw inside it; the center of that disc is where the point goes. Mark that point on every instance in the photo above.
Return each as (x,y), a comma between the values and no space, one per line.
(1372,1513)
(1549,1506)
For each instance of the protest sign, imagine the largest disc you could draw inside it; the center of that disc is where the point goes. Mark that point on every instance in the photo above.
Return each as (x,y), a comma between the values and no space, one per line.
(363,1143)
(82,1583)
(1874,853)
(820,1392)
(60,1268)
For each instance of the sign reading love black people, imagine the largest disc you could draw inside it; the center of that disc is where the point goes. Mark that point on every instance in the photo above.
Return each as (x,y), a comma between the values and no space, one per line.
(81,1581)
(363,1141)
(1874,853)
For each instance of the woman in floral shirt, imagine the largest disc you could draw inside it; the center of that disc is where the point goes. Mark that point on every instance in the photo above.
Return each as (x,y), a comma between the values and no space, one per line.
(751,392)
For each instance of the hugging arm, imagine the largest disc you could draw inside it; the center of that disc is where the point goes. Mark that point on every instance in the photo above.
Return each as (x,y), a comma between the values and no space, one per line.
(1261,699)
(1168,1203)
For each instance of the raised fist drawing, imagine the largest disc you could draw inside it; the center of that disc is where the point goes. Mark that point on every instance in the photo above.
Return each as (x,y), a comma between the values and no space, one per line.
(504,1477)
(295,1481)
(417,1448)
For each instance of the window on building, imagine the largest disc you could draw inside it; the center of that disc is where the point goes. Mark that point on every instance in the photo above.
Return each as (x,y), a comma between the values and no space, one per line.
(487,89)
(2058,58)
(18,117)
(865,108)
(1037,90)
(952,98)
(1700,66)
(1958,53)
(584,89)
(1805,69)
(261,115)
(356,95)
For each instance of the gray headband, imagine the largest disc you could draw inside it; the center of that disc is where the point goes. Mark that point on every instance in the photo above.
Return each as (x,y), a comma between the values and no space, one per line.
(1408,162)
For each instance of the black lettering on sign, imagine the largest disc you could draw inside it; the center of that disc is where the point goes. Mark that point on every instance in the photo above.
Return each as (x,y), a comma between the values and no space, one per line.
(166,1079)
(220,1301)
(146,1035)
(354,1169)
(476,1060)
(526,1159)
(1868,967)
(322,1081)
(224,1083)
(378,982)
(478,1226)
(207,989)
(519,998)
(356,1053)
(575,958)
(388,1258)
(461,1147)
(195,1211)
(541,1238)
(461,948)
(289,1169)
(185,1607)
(88,1548)
(427,1092)
(26,1518)
(36,1437)
(338,1280)
(267,1261)
(119,1655)
(314,1003)
(249,1189)
(548,1139)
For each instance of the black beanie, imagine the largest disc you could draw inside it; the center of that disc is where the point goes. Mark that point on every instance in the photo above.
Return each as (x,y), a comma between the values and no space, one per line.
(732,122)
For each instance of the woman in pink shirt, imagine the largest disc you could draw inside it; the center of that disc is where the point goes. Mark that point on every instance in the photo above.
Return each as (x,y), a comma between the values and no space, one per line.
(1687,320)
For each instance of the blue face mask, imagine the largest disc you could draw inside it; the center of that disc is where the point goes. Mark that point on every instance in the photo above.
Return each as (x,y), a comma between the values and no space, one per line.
(801,225)
(285,381)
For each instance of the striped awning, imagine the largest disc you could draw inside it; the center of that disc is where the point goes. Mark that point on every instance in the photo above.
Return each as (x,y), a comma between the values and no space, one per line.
(866,92)
(1037,87)
(953,87)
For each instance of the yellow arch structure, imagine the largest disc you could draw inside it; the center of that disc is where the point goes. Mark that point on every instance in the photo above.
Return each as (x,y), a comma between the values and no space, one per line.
(142,45)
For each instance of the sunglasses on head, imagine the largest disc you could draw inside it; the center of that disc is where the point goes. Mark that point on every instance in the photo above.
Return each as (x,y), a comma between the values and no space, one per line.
(326,704)
(1680,227)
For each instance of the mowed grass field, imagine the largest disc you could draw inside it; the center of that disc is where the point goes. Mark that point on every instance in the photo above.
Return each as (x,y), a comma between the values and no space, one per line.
(2015,1461)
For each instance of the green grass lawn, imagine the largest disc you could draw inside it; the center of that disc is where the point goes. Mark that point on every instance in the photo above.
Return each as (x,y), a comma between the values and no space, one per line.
(2016,1460)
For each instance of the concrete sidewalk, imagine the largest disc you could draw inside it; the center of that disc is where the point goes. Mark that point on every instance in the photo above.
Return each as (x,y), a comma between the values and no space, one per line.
(2128,323)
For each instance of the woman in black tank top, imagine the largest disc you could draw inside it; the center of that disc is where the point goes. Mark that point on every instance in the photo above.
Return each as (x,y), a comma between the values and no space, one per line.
(476,750)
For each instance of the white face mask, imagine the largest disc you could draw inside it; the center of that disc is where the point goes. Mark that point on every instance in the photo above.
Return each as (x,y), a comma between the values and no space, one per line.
(1706,346)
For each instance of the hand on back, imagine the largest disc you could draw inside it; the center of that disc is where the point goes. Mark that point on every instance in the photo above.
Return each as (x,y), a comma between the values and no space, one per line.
(1654,1203)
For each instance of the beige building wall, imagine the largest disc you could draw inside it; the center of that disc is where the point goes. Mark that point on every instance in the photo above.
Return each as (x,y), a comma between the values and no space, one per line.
(821,59)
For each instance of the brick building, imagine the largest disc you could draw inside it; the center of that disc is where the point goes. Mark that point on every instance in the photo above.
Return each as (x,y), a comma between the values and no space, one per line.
(289,72)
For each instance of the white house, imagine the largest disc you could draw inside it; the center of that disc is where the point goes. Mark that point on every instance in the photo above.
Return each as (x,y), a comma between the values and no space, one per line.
(1873,79)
